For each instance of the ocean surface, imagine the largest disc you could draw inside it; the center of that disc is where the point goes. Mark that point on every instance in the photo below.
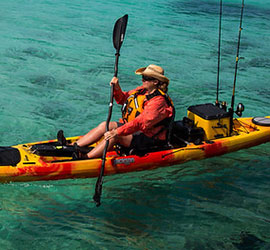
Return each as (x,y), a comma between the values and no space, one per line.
(56,61)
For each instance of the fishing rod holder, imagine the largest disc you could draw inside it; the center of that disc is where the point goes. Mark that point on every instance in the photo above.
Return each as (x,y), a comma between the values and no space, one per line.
(223,105)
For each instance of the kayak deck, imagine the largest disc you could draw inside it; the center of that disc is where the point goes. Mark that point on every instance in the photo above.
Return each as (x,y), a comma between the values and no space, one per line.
(34,167)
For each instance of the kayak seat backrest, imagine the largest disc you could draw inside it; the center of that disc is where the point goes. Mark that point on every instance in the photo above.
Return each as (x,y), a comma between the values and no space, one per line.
(9,156)
(184,132)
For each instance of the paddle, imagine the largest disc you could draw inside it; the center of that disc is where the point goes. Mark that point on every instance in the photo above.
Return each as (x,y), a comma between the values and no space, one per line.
(118,38)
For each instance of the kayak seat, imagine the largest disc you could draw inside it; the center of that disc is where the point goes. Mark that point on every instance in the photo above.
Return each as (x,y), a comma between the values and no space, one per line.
(185,132)
(54,149)
(9,156)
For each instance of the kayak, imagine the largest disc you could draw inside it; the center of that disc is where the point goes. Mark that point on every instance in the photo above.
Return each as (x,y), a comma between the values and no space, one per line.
(202,134)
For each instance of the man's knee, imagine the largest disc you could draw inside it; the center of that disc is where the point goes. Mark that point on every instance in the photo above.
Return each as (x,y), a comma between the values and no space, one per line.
(102,126)
(112,125)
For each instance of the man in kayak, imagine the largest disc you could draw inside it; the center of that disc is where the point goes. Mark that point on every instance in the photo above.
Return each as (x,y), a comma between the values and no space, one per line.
(147,114)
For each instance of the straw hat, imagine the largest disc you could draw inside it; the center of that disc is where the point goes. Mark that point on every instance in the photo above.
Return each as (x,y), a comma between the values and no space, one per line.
(153,71)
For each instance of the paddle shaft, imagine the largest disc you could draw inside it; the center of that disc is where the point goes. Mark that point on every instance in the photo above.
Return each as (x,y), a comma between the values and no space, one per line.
(116,64)
(98,189)
(118,38)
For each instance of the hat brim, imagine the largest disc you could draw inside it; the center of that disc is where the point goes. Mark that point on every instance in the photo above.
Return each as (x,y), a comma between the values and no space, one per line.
(160,77)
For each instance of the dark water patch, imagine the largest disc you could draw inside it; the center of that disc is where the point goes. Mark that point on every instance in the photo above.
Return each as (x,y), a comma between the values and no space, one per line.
(210,8)
(194,8)
(40,53)
(48,83)
(92,71)
(99,70)
(203,244)
(177,24)
(230,47)
(96,32)
(54,110)
(42,86)
(256,12)
(155,41)
(260,89)
(228,55)
(96,74)
(15,54)
(250,11)
(43,80)
(260,62)
(250,241)
(23,54)
(263,92)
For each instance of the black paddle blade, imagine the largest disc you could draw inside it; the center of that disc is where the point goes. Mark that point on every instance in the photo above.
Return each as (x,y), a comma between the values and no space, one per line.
(119,32)
(98,191)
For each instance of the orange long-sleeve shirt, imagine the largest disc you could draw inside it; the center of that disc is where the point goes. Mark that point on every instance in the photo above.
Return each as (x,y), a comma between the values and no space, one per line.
(155,110)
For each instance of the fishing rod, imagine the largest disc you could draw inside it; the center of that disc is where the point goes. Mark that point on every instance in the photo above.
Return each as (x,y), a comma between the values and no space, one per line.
(219,44)
(236,67)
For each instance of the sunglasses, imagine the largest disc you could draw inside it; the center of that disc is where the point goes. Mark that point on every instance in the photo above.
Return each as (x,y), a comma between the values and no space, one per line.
(147,78)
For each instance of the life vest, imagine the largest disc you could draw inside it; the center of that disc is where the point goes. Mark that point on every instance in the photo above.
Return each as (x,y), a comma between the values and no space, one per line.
(135,105)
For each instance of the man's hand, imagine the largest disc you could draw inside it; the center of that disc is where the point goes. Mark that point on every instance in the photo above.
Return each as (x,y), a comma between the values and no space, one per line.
(110,134)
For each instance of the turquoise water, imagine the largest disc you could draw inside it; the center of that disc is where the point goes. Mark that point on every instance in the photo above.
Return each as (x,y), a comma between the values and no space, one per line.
(56,61)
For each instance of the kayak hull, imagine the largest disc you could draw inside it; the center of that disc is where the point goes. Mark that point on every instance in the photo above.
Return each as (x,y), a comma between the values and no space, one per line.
(33,167)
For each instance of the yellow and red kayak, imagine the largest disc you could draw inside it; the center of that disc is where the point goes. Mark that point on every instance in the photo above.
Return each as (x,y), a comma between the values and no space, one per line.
(31,166)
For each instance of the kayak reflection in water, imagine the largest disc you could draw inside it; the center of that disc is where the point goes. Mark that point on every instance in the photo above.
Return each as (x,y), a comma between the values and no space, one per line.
(147,113)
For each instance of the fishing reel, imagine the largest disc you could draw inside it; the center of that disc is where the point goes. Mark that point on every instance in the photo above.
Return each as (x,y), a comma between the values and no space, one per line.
(240,109)
(222,105)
